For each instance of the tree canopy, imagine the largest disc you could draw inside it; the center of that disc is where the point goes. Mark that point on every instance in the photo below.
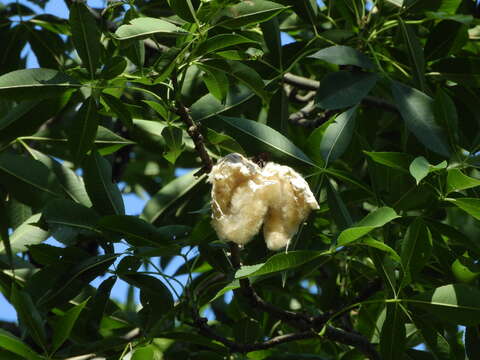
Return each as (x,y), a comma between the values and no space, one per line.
(375,103)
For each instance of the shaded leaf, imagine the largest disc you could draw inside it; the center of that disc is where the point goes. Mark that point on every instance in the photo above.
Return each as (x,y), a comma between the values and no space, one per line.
(415,54)
(118,108)
(61,214)
(29,315)
(244,131)
(338,135)
(241,72)
(105,195)
(343,89)
(393,335)
(35,84)
(174,140)
(28,180)
(394,160)
(447,37)
(453,303)
(26,234)
(416,248)
(169,195)
(64,325)
(85,36)
(343,55)
(17,346)
(82,133)
(417,112)
(472,342)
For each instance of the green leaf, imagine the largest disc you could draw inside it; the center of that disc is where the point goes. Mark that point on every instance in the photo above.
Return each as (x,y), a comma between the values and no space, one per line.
(394,160)
(373,220)
(28,180)
(447,37)
(342,89)
(343,55)
(138,232)
(415,53)
(113,67)
(249,12)
(420,168)
(70,182)
(371,242)
(29,315)
(416,248)
(17,346)
(60,214)
(222,41)
(338,135)
(416,109)
(167,62)
(98,304)
(241,72)
(182,9)
(85,36)
(169,195)
(446,115)
(340,213)
(209,106)
(235,284)
(26,234)
(174,140)
(216,82)
(469,205)
(454,303)
(146,26)
(82,133)
(17,112)
(105,195)
(118,108)
(393,335)
(35,84)
(462,70)
(457,181)
(280,262)
(64,325)
(244,131)
(434,340)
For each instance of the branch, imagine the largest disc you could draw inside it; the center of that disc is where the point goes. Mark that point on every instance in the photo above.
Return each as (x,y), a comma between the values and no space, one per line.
(301,321)
(309,84)
(193,131)
(202,325)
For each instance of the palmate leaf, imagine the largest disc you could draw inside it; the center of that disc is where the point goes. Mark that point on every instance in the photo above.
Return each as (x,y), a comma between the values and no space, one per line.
(343,55)
(27,234)
(15,345)
(249,12)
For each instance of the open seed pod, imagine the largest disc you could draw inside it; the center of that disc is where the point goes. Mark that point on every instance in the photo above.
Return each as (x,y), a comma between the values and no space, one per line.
(245,197)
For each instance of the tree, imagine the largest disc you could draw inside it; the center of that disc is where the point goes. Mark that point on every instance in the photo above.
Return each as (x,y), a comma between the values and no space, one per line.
(375,103)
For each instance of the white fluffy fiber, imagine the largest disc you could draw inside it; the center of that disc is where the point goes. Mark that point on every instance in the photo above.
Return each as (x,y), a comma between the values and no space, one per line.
(245,196)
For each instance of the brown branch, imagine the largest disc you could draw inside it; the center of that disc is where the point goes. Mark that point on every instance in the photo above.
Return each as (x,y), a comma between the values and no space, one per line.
(309,84)
(193,131)
(202,325)
(301,321)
